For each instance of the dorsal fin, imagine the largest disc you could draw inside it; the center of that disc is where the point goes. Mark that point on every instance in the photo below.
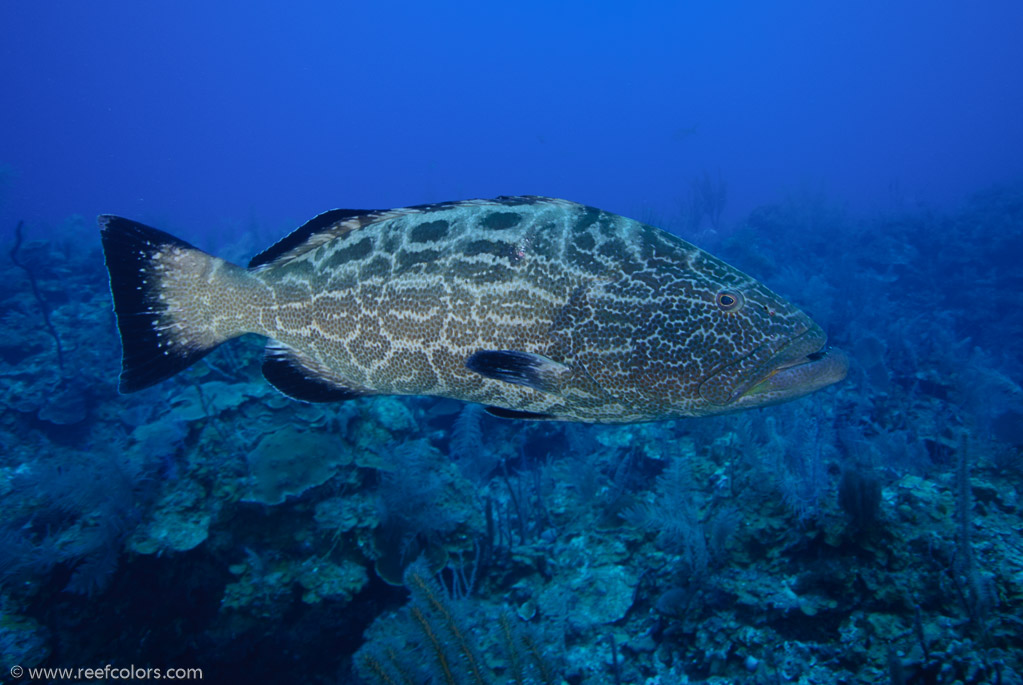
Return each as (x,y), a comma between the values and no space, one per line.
(320,222)
(338,222)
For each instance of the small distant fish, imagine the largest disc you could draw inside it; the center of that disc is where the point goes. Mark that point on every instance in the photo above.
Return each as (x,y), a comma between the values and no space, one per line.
(684,133)
(537,308)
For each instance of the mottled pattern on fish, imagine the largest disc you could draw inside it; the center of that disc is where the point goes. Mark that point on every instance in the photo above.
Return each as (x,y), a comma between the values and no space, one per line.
(529,304)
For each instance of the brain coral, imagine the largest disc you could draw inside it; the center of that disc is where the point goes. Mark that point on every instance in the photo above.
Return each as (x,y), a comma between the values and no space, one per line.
(289,462)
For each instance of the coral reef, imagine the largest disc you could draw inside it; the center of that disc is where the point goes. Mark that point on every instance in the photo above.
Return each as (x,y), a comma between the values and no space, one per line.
(869,533)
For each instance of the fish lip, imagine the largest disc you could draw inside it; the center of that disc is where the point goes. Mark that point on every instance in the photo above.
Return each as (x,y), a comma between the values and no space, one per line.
(810,358)
(763,362)
(806,347)
(828,366)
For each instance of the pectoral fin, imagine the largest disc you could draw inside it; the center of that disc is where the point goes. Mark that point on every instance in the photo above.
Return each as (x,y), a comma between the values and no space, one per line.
(522,368)
(503,413)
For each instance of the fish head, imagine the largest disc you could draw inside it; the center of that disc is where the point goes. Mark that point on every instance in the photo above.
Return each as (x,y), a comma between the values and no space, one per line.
(684,334)
(786,360)
(756,348)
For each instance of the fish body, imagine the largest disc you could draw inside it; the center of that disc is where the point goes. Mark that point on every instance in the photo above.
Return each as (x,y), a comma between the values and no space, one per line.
(535,307)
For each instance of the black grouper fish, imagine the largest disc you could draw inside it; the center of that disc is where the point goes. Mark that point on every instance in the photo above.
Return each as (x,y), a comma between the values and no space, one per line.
(536,307)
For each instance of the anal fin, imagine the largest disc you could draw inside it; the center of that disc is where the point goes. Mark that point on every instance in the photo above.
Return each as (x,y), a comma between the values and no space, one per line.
(302,378)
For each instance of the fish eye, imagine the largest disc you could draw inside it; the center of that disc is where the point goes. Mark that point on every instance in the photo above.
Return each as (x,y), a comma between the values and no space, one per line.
(729,300)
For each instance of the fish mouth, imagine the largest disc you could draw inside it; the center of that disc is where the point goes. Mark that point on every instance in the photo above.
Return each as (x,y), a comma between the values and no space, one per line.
(776,373)
(797,377)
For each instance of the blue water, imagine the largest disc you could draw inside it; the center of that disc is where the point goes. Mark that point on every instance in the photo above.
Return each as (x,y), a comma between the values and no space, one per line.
(871,161)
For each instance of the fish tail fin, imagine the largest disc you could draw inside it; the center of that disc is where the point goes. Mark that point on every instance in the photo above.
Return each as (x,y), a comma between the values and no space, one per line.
(167,298)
